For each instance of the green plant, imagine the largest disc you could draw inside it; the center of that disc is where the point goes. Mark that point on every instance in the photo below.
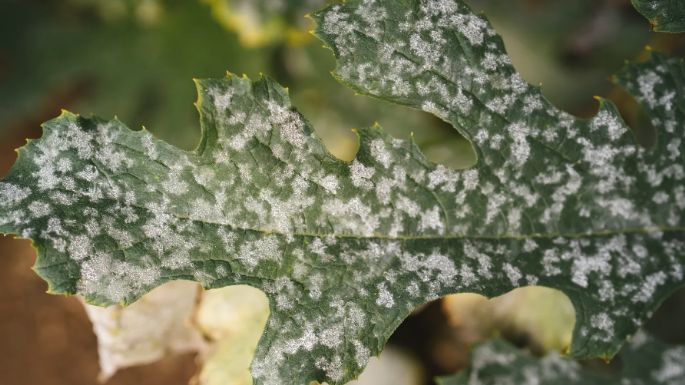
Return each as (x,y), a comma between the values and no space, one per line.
(345,250)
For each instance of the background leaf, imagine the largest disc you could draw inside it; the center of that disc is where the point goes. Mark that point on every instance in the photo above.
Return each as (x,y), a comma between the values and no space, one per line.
(643,361)
(260,22)
(665,15)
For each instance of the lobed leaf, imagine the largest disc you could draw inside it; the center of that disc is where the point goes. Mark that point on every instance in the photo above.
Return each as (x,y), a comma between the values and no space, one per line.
(645,361)
(346,250)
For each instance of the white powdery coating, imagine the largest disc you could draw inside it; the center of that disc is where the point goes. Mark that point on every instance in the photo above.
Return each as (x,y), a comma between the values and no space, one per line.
(39,209)
(649,286)
(330,183)
(520,148)
(380,152)
(289,122)
(648,81)
(252,252)
(102,276)
(603,323)
(80,247)
(384,298)
(361,175)
(513,273)
(11,195)
(432,220)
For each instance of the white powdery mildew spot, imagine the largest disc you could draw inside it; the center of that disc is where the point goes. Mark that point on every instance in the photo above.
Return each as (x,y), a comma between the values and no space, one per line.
(520,148)
(384,298)
(149,146)
(484,260)
(330,183)
(361,354)
(79,140)
(432,220)
(380,152)
(603,323)
(609,121)
(39,209)
(384,188)
(316,281)
(361,175)
(429,52)
(647,82)
(487,356)
(583,266)
(649,286)
(513,273)
(673,148)
(472,27)
(470,179)
(80,247)
(175,184)
(252,252)
(332,337)
(443,176)
(289,122)
(267,368)
(432,108)
(332,366)
(221,98)
(532,103)
(407,206)
(11,195)
(104,276)
(318,247)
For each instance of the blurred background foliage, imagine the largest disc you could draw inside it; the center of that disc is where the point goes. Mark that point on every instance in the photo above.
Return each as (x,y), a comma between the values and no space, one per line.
(136,59)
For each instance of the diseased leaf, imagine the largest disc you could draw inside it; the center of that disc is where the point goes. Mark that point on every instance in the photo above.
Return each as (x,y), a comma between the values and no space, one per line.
(346,250)
(541,173)
(645,361)
(665,15)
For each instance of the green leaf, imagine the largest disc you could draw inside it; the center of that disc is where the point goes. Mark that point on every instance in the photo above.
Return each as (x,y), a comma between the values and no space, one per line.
(664,15)
(542,173)
(645,361)
(346,250)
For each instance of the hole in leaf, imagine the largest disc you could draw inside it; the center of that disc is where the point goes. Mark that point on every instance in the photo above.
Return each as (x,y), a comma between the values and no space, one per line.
(536,317)
(232,319)
(442,332)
